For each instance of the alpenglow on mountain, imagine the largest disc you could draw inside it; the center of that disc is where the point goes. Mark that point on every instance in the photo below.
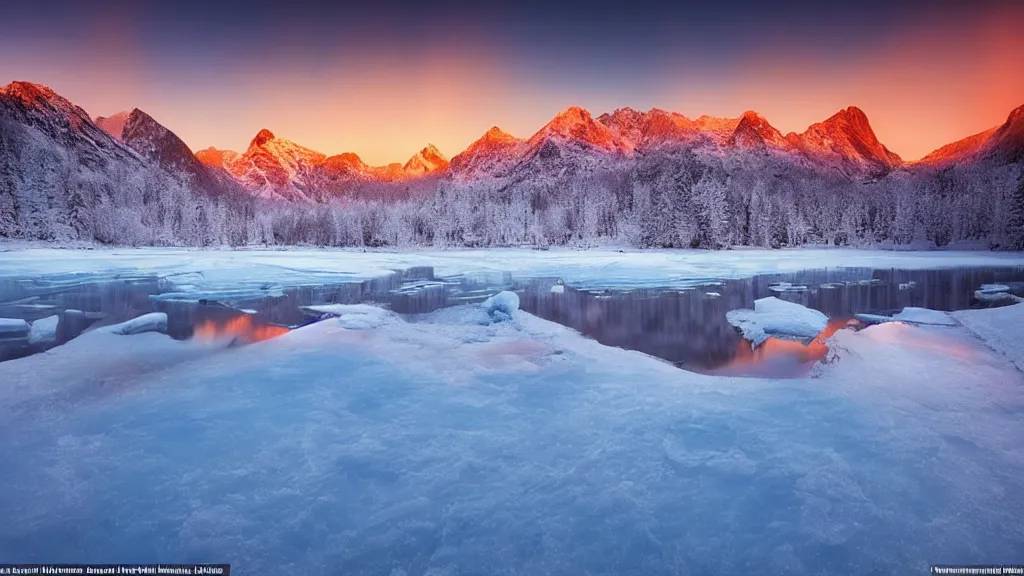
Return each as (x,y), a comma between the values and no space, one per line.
(653,178)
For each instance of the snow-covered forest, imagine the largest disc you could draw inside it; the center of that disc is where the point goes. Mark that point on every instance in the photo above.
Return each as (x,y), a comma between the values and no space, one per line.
(685,201)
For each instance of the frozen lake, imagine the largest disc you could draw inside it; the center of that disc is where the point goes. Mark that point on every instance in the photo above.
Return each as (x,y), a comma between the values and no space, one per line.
(444,440)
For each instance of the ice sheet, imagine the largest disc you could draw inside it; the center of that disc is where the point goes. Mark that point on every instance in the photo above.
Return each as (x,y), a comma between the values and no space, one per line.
(211,270)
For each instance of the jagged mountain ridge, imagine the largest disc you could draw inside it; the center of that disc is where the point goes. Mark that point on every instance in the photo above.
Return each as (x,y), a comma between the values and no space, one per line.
(1000,143)
(278,169)
(647,178)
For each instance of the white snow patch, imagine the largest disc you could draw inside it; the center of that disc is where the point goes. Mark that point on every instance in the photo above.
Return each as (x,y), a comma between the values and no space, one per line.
(925,316)
(44,329)
(772,316)
(502,305)
(152,322)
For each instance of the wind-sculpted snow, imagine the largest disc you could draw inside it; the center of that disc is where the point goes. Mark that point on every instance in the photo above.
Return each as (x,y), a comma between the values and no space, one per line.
(447,445)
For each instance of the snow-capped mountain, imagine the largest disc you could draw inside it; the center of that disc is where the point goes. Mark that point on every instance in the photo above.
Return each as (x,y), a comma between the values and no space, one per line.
(64,177)
(55,164)
(753,131)
(427,161)
(1001,143)
(493,153)
(655,129)
(275,168)
(845,141)
(575,128)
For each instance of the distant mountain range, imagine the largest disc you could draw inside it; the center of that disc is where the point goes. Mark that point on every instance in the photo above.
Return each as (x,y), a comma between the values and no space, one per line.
(56,161)
(275,168)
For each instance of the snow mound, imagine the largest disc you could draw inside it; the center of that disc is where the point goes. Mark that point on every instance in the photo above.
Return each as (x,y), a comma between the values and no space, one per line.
(152,322)
(44,329)
(13,327)
(772,316)
(924,316)
(355,316)
(502,305)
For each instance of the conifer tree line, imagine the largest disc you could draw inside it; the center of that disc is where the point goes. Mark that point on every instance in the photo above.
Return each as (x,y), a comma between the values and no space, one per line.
(681,200)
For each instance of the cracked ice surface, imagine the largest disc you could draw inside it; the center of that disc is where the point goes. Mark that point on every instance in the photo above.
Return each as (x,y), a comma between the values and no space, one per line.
(455,445)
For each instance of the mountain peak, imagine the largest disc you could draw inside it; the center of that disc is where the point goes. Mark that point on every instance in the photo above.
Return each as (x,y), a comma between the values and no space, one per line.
(113,124)
(753,130)
(574,124)
(431,150)
(29,92)
(573,113)
(427,160)
(262,137)
(570,118)
(497,134)
(847,137)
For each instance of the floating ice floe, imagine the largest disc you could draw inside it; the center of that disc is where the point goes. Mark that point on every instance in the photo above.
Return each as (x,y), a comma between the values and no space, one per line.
(996,293)
(772,316)
(152,322)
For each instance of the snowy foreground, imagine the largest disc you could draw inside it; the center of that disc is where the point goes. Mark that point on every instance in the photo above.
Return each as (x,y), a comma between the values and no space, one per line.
(476,441)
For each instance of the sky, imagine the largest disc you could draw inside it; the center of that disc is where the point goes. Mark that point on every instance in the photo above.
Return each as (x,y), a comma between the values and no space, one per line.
(385,78)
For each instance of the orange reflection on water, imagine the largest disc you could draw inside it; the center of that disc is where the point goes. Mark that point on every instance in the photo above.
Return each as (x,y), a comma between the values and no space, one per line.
(795,357)
(239,327)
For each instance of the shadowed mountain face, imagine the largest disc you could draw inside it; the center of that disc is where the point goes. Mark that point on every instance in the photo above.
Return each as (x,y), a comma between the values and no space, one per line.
(159,145)
(652,178)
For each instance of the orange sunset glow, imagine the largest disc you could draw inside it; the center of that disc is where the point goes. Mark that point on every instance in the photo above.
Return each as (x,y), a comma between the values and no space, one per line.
(924,83)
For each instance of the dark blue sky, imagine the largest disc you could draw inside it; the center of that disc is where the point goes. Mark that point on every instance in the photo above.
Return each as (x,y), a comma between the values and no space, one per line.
(388,76)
